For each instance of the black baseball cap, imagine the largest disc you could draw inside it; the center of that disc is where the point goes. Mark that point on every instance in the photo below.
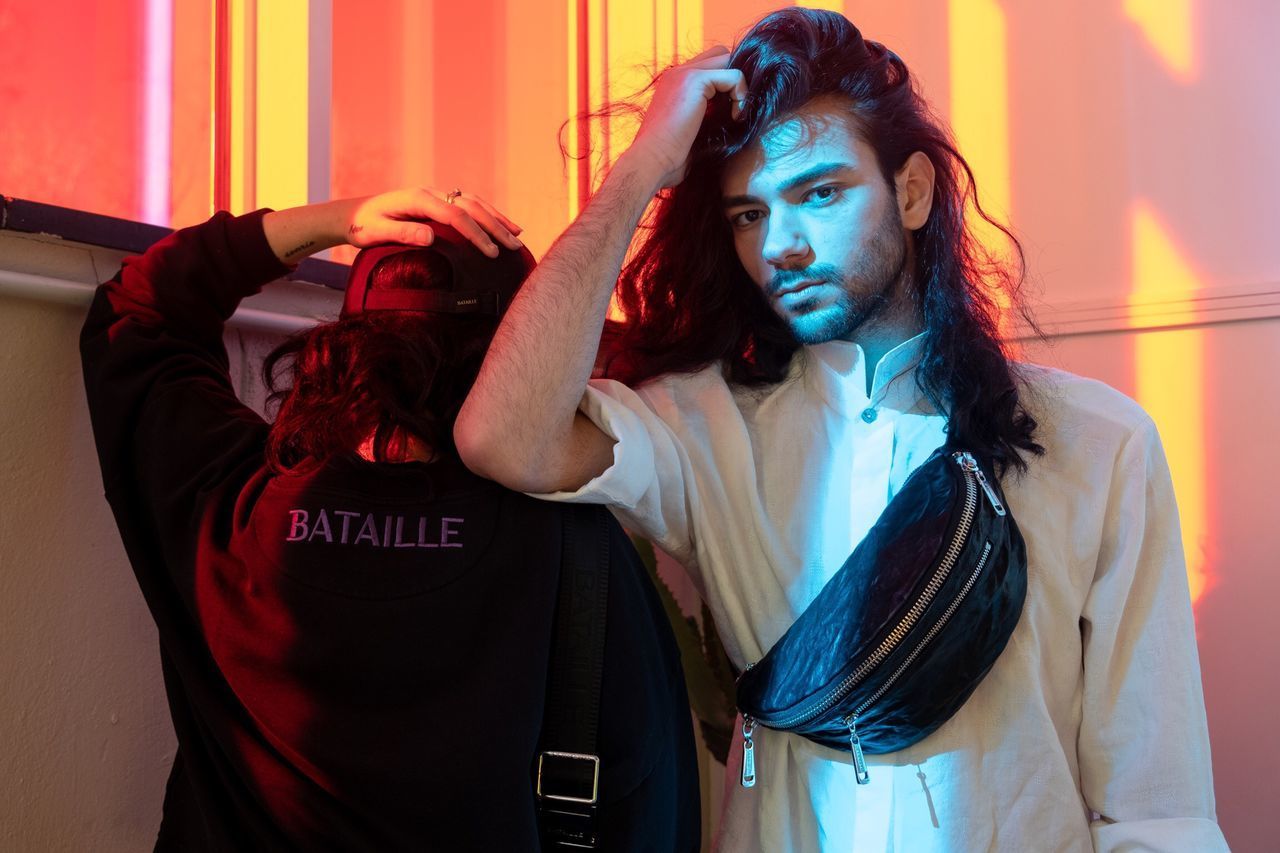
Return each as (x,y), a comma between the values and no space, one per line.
(474,284)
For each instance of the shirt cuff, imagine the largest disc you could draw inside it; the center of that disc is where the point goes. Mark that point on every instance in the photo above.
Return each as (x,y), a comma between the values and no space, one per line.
(1166,835)
(625,481)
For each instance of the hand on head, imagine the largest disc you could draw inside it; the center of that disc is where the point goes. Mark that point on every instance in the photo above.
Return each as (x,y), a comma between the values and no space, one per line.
(680,101)
(405,216)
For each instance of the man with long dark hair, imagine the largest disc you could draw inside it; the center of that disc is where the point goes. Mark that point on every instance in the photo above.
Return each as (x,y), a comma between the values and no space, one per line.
(355,631)
(808,316)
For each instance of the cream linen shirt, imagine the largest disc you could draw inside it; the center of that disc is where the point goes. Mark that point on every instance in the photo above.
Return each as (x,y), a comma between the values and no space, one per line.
(1089,732)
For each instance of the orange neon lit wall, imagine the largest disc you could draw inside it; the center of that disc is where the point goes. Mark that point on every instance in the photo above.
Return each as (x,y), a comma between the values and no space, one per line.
(1129,143)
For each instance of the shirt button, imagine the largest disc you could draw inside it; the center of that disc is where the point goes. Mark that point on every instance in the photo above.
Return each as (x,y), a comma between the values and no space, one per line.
(869,414)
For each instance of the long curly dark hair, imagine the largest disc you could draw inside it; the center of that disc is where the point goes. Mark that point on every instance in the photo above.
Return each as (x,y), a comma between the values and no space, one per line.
(385,374)
(689,303)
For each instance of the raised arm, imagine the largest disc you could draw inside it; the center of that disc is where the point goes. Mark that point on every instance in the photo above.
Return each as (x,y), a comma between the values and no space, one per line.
(520,425)
(391,217)
(152,341)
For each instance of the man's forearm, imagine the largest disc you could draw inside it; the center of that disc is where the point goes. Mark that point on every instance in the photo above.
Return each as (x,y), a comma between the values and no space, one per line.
(519,415)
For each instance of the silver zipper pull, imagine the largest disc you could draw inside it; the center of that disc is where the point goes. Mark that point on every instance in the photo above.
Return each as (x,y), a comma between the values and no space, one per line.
(971,465)
(748,752)
(855,746)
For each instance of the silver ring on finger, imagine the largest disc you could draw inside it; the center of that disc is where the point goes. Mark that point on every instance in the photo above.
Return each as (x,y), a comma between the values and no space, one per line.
(452,195)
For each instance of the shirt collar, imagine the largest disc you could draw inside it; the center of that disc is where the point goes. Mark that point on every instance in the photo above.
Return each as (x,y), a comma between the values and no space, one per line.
(836,371)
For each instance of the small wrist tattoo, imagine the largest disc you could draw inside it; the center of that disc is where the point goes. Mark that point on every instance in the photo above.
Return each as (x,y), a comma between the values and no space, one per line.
(355,229)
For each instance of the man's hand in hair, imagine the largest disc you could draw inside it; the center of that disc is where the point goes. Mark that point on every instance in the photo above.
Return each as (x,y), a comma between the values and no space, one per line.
(680,100)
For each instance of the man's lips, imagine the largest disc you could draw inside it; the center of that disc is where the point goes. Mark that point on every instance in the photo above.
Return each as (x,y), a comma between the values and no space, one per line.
(798,286)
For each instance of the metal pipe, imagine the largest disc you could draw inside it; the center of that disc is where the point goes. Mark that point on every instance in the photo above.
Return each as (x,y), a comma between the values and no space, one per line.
(56,290)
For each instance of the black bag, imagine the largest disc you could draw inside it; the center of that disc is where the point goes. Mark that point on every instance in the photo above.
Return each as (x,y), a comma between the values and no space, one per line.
(906,629)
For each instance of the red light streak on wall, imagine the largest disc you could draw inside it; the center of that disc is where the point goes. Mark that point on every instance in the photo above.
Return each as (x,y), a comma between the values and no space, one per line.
(71,104)
(191,180)
(578,140)
(235,106)
(221,162)
(470,99)
(384,105)
(535,80)
(468,69)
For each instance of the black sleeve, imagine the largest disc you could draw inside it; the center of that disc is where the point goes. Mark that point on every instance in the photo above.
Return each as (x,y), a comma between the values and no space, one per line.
(169,428)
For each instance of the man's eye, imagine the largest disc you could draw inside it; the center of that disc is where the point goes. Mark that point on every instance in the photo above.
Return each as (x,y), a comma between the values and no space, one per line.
(745,218)
(823,193)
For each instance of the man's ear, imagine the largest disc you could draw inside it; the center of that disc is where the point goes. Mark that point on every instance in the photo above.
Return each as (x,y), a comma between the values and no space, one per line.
(914,185)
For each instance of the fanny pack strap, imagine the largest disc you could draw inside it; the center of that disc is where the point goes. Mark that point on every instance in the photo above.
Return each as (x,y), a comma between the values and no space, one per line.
(568,772)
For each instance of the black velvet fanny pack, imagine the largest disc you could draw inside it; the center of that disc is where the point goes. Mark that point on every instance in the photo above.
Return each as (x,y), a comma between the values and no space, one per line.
(906,629)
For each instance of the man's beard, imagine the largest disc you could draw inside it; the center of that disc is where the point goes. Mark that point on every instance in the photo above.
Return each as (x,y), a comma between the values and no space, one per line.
(867,292)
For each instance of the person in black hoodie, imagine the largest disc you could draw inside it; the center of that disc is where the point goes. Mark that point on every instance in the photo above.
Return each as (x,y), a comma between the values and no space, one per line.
(355,629)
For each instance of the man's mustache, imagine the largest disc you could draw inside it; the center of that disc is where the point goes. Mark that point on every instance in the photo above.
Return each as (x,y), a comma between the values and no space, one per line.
(785,278)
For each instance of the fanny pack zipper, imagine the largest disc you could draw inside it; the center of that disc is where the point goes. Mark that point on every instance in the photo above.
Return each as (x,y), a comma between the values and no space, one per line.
(974,479)
(851,720)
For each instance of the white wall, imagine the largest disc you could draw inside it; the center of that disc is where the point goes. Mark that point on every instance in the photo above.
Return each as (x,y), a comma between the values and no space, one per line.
(85,738)
(85,742)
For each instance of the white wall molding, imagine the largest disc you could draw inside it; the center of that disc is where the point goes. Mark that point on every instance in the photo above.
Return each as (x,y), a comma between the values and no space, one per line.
(41,266)
(1178,310)
(48,269)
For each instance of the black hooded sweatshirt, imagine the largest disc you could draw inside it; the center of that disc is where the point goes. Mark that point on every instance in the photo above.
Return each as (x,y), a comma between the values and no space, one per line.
(355,658)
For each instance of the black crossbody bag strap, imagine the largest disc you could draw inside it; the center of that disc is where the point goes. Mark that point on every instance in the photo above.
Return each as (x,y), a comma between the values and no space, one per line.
(568,771)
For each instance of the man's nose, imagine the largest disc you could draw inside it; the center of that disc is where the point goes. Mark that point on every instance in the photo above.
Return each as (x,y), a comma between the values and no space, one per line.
(785,245)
